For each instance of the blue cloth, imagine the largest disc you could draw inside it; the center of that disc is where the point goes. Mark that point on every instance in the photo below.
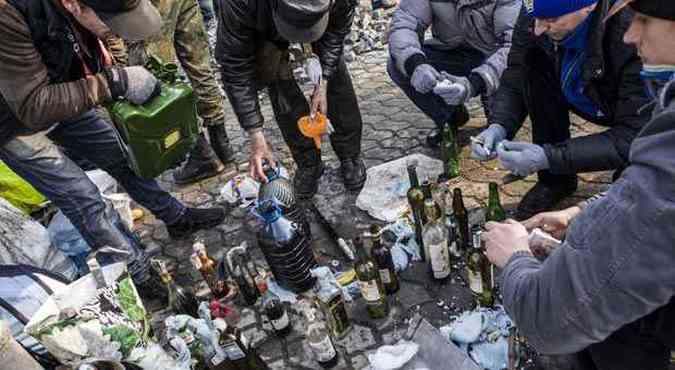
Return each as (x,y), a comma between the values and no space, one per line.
(656,77)
(39,160)
(557,8)
(574,57)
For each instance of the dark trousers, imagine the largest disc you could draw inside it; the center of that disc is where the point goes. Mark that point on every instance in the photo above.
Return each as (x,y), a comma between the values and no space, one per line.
(458,62)
(289,104)
(40,161)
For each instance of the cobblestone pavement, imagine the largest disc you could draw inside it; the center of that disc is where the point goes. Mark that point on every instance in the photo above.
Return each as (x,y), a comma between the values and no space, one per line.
(393,127)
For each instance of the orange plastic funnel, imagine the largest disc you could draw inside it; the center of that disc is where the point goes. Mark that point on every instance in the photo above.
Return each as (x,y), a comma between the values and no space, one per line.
(314,128)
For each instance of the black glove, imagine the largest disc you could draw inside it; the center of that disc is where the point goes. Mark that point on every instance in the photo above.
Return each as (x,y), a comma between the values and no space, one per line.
(220,143)
(135,84)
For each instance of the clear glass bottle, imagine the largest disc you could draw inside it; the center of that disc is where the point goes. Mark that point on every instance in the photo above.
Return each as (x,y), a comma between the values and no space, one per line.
(480,275)
(436,242)
(416,201)
(319,340)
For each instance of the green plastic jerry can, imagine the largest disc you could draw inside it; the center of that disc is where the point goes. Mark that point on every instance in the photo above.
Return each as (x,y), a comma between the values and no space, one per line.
(158,134)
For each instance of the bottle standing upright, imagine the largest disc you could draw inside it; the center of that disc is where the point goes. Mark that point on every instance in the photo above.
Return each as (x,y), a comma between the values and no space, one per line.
(181,301)
(416,201)
(436,242)
(372,289)
(319,341)
(381,255)
(275,311)
(449,153)
(495,211)
(462,219)
(480,274)
(207,268)
(240,355)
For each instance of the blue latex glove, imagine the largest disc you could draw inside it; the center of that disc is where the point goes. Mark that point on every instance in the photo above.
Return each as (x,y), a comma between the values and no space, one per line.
(490,137)
(424,78)
(453,89)
(313,69)
(522,159)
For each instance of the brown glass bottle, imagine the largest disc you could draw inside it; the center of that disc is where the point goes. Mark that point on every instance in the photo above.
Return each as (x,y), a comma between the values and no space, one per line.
(462,219)
(381,255)
(240,356)
(207,268)
(372,289)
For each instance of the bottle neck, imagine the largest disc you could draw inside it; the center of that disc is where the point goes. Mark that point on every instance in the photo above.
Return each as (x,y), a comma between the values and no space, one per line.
(494,196)
(457,201)
(412,175)
(430,210)
(360,250)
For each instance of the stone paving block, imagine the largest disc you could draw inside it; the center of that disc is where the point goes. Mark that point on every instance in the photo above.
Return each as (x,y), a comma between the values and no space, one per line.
(360,362)
(247,317)
(255,336)
(359,338)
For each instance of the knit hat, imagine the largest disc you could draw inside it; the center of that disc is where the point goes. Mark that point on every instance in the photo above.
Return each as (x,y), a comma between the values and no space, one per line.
(664,9)
(557,8)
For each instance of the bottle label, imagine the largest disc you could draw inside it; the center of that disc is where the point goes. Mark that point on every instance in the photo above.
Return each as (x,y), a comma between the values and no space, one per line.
(475,282)
(369,291)
(218,358)
(385,276)
(440,260)
(196,262)
(281,323)
(323,350)
(233,351)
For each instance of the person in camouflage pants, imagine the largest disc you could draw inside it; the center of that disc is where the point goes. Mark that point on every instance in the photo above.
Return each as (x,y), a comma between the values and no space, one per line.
(183,39)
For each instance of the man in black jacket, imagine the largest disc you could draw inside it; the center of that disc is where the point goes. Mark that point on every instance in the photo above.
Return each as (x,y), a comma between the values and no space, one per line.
(252,49)
(566,58)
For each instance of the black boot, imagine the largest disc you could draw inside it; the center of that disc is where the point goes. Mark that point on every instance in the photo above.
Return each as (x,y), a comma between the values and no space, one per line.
(306,180)
(221,143)
(201,163)
(353,173)
(459,119)
(196,219)
(544,196)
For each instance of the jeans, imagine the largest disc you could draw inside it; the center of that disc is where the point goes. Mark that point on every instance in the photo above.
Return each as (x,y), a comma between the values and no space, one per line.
(289,104)
(38,159)
(458,62)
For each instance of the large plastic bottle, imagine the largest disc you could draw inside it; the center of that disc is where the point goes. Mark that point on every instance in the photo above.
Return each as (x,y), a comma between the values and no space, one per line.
(287,248)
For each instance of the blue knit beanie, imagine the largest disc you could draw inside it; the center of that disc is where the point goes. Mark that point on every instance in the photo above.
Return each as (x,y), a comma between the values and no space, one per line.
(557,8)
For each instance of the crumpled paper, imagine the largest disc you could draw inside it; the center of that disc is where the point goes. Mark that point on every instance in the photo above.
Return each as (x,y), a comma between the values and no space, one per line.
(384,194)
(243,190)
(483,334)
(393,357)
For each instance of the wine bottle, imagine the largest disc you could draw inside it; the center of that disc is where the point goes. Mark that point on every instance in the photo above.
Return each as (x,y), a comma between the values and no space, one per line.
(495,211)
(449,153)
(381,255)
(480,275)
(275,311)
(462,219)
(372,289)
(319,341)
(436,242)
(239,355)
(207,268)
(416,201)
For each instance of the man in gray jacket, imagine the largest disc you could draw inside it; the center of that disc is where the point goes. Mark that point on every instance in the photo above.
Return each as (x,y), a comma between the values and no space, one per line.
(607,293)
(470,44)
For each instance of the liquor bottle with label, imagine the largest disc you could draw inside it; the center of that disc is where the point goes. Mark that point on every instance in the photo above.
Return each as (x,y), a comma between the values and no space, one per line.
(381,255)
(238,354)
(480,275)
(449,153)
(181,300)
(462,219)
(495,211)
(319,340)
(416,201)
(436,242)
(207,268)
(372,289)
(331,301)
(275,311)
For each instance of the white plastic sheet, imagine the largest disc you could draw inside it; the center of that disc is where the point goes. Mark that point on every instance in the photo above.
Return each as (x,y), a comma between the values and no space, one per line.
(384,194)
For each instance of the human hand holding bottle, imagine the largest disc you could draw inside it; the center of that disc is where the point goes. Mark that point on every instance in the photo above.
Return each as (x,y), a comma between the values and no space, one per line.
(259,153)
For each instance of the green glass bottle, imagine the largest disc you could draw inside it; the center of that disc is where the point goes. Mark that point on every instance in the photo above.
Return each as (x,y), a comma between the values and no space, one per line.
(372,289)
(383,261)
(461,218)
(449,154)
(495,211)
(480,275)
(416,201)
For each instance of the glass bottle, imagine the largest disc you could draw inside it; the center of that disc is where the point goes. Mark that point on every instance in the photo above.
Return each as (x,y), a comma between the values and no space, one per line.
(319,341)
(381,255)
(453,243)
(181,300)
(372,289)
(495,211)
(239,355)
(416,201)
(480,275)
(246,286)
(207,268)
(449,153)
(331,301)
(275,311)
(436,242)
(462,219)
(426,189)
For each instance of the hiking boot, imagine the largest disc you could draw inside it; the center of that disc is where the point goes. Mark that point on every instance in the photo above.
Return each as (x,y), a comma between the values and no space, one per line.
(221,143)
(306,180)
(353,173)
(459,119)
(543,197)
(201,164)
(196,219)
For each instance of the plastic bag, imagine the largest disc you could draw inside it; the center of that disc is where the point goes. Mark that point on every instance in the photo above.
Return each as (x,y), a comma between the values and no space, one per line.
(25,241)
(18,192)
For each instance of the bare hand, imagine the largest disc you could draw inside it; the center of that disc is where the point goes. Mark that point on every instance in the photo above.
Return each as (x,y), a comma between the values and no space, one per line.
(554,223)
(502,240)
(260,152)
(319,99)
(86,17)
